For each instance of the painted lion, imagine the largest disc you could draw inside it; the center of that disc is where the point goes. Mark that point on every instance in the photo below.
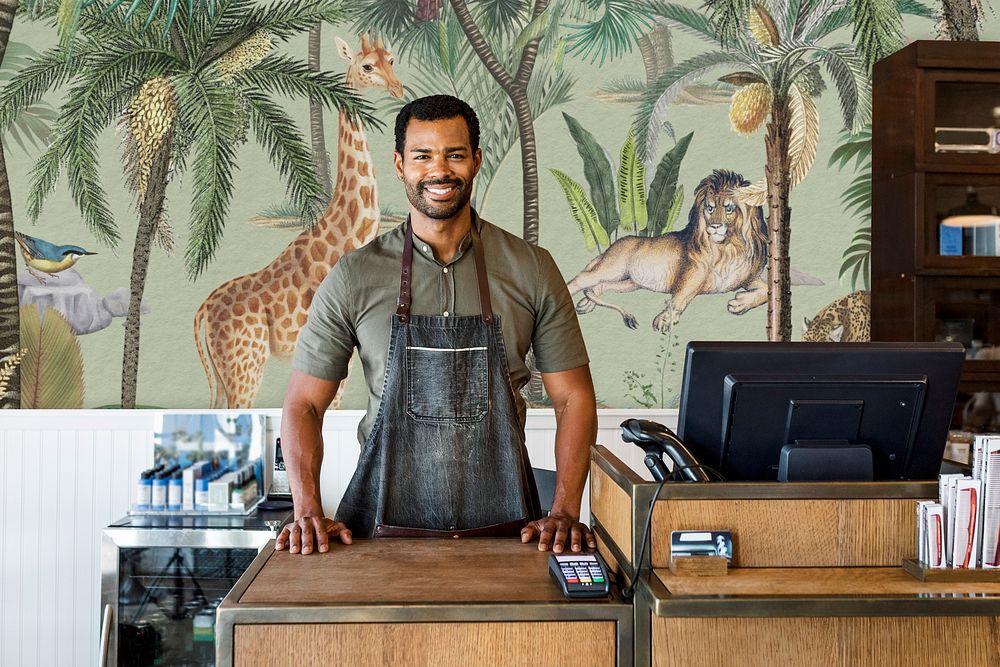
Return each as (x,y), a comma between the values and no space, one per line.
(723,248)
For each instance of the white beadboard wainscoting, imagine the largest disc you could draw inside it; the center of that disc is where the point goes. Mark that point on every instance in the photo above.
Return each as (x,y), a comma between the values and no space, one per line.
(68,474)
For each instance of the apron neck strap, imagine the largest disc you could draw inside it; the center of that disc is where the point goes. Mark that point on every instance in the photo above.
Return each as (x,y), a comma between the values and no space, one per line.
(406,280)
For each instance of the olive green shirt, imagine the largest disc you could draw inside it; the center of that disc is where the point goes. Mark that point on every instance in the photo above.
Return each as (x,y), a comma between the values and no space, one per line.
(354,305)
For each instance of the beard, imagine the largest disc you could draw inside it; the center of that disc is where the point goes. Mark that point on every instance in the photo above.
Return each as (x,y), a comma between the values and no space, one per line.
(438,210)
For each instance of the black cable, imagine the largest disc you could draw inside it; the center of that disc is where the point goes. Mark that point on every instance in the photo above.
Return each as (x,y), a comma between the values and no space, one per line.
(629,591)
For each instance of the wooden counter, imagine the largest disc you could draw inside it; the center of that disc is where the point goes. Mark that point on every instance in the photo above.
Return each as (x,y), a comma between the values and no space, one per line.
(818,582)
(416,602)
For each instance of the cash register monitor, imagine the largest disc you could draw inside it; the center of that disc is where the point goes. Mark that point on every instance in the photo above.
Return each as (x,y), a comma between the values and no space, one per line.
(743,402)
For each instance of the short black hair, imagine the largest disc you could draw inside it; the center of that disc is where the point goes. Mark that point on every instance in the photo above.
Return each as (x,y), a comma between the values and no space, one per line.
(436,107)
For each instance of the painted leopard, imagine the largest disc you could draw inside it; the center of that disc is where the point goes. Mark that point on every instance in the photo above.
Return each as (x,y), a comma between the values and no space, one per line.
(848,319)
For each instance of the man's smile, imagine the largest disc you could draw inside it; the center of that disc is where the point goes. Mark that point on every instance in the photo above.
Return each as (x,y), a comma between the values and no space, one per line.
(440,191)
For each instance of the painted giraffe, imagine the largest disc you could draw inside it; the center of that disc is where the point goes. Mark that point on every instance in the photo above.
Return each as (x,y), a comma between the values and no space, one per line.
(251,317)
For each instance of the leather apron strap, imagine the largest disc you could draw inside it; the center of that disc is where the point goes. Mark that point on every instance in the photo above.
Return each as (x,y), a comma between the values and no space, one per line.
(406,282)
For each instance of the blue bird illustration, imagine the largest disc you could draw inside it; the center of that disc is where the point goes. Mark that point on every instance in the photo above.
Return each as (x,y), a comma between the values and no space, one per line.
(48,257)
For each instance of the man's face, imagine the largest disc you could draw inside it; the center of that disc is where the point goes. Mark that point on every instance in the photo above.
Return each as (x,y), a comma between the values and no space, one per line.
(437,166)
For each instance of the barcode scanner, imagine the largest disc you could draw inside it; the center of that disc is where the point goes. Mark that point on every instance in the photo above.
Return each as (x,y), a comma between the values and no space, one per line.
(656,439)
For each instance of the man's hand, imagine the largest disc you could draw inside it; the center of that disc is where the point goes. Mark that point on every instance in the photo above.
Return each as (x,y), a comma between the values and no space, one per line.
(311,532)
(553,531)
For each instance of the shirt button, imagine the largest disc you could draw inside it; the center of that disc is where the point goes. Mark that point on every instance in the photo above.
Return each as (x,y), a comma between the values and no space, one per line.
(446,313)
(425,248)
(446,269)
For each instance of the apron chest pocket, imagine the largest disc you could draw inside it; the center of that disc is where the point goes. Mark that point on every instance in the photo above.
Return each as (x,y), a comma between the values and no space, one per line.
(445,384)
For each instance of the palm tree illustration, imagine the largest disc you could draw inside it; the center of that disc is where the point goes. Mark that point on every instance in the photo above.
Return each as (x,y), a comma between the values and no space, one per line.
(184,98)
(520,46)
(31,123)
(776,52)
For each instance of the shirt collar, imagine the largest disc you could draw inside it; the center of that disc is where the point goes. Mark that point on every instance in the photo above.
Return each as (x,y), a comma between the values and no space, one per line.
(425,249)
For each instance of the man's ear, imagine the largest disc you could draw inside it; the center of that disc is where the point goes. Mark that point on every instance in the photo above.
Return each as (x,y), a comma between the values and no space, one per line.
(344,49)
(397,162)
(478,158)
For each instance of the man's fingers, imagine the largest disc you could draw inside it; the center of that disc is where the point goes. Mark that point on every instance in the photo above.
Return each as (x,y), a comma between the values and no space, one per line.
(307,536)
(293,538)
(528,532)
(282,539)
(345,534)
(545,536)
(559,543)
(575,536)
(588,535)
(322,528)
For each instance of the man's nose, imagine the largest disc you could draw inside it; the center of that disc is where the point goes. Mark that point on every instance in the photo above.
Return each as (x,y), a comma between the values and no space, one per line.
(439,167)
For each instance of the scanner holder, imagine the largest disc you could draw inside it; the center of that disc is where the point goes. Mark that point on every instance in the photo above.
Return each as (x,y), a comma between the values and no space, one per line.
(656,439)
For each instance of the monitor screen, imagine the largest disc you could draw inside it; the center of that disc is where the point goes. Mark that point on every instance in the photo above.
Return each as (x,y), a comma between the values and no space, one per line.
(742,402)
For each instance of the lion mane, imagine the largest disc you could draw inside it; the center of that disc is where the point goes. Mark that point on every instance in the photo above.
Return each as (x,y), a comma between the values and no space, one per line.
(723,248)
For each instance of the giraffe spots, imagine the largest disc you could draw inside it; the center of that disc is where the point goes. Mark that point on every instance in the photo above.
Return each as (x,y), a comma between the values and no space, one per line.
(352,184)
(254,304)
(286,322)
(349,245)
(350,162)
(239,310)
(300,319)
(265,277)
(366,196)
(226,299)
(316,252)
(359,144)
(362,167)
(342,227)
(353,210)
(297,281)
(267,297)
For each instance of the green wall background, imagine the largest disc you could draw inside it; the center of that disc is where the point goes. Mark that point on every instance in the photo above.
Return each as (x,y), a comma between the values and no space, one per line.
(170,374)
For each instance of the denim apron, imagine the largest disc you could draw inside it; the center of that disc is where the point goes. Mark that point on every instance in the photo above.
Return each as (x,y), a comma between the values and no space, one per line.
(446,455)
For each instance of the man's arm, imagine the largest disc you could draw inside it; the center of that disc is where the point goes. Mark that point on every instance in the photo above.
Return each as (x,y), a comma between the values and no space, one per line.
(306,401)
(572,396)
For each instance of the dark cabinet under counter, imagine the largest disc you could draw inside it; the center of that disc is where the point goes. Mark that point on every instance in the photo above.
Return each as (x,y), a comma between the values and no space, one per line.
(163,576)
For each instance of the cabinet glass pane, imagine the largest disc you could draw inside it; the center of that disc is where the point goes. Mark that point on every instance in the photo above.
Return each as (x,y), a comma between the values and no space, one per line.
(970,316)
(967,117)
(968,220)
(167,598)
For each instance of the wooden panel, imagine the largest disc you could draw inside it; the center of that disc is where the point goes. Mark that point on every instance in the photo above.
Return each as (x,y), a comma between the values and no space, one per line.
(439,644)
(611,505)
(406,571)
(790,533)
(816,581)
(846,642)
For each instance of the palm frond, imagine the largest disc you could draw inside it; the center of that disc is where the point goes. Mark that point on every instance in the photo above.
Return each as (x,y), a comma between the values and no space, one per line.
(293,78)
(281,18)
(500,19)
(288,152)
(878,29)
(852,83)
(663,190)
(33,126)
(916,8)
(857,147)
(212,113)
(396,22)
(582,211)
(650,116)
(613,34)
(687,19)
(782,12)
(822,18)
(44,73)
(599,173)
(43,178)
(729,17)
(804,139)
(856,260)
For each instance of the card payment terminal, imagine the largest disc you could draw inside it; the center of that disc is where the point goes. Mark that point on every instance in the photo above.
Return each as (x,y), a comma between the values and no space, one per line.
(579,575)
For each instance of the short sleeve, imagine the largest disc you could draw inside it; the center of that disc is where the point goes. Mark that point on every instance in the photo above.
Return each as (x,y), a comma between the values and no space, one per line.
(557,342)
(327,340)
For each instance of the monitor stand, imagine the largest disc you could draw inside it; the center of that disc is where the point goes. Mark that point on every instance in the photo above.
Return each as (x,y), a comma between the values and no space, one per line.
(825,461)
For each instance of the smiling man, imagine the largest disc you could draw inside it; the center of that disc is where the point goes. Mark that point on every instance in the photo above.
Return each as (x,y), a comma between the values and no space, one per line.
(442,312)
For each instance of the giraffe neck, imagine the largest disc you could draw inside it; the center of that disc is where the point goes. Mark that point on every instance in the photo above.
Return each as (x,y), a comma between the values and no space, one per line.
(337,228)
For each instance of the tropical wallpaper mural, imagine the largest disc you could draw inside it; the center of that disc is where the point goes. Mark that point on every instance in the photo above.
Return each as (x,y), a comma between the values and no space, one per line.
(177,176)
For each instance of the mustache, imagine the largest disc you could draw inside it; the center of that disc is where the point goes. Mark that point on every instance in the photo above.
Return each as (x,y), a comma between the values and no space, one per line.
(458,183)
